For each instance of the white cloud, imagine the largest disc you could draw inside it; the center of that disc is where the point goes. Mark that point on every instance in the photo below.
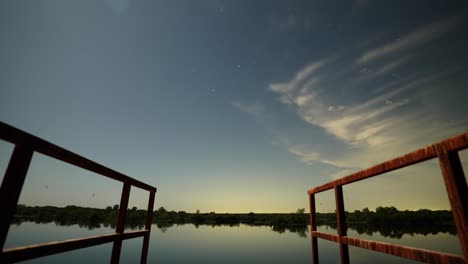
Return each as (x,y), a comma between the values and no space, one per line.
(310,157)
(371,103)
(340,127)
(373,129)
(302,100)
(412,39)
(255,109)
(351,123)
(380,124)
(377,140)
(345,124)
(369,131)
(299,78)
(391,66)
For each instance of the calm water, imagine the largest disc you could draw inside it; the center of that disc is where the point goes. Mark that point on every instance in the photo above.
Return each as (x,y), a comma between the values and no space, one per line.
(218,244)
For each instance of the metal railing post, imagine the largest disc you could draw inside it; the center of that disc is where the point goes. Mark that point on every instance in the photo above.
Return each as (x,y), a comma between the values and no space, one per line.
(25,146)
(313,227)
(11,187)
(341,224)
(120,226)
(148,223)
(455,183)
(457,191)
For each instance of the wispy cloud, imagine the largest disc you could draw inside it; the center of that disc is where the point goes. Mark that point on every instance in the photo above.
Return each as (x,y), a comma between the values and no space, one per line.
(255,109)
(310,157)
(376,129)
(389,67)
(412,39)
(386,120)
(304,93)
(264,118)
(299,79)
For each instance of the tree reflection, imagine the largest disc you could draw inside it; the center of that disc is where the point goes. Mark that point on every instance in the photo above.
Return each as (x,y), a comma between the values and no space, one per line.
(387,221)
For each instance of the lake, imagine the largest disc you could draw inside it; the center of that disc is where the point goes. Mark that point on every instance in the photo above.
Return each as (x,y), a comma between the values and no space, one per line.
(220,244)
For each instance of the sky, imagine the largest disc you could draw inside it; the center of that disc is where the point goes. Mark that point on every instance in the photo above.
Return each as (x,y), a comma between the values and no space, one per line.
(234,106)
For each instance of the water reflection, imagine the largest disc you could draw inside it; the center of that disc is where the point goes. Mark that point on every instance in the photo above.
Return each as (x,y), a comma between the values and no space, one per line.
(396,231)
(90,225)
(301,231)
(390,231)
(211,243)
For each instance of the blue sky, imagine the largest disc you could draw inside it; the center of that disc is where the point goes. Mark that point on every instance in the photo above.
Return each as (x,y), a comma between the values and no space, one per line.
(234,106)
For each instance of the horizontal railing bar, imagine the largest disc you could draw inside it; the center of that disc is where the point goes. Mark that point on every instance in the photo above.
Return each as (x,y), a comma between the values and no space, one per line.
(16,136)
(326,236)
(452,144)
(417,254)
(45,249)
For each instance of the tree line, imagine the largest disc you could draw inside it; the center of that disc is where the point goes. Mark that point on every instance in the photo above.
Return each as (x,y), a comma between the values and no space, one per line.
(389,221)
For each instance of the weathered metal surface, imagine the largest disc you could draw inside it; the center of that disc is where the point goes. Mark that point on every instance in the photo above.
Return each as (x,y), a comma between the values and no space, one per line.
(25,146)
(326,236)
(120,226)
(45,249)
(148,223)
(341,223)
(11,187)
(457,191)
(19,137)
(455,183)
(313,227)
(452,144)
(417,254)
(397,163)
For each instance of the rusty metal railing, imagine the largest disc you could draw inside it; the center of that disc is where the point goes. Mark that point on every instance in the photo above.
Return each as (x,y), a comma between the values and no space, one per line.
(25,146)
(455,183)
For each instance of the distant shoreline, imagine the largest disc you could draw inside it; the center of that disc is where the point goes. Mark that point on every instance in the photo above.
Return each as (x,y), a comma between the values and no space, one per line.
(386,220)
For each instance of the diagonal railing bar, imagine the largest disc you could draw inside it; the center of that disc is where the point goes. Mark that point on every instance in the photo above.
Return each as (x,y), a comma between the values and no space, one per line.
(19,137)
(455,182)
(12,184)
